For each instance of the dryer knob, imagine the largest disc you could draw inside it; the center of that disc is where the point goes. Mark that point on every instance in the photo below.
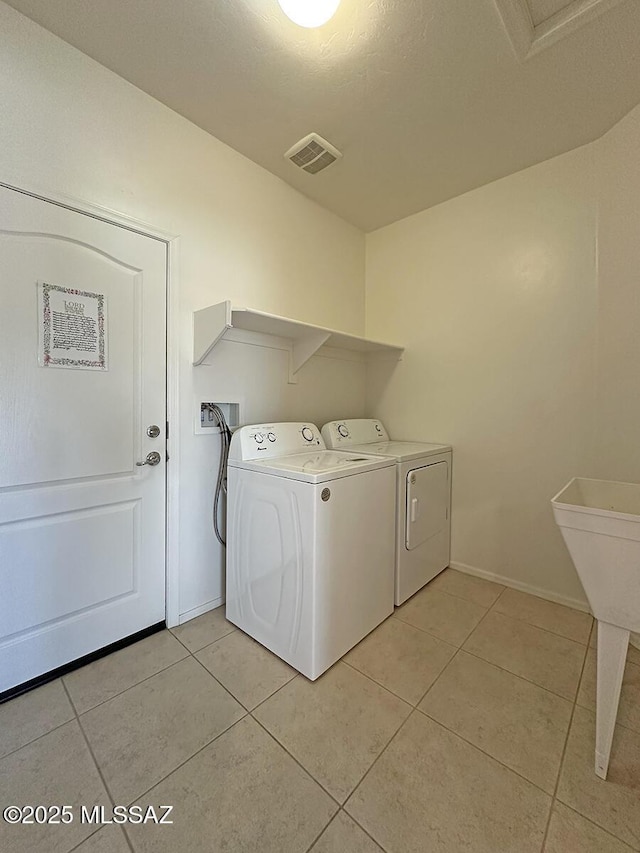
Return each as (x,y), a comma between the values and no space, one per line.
(307,434)
(343,431)
(271,436)
(259,438)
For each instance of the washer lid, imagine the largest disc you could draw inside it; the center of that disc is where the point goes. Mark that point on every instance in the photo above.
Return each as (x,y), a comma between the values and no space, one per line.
(316,467)
(401,451)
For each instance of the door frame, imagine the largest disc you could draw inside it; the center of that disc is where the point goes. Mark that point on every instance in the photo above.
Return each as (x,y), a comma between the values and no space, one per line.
(172,244)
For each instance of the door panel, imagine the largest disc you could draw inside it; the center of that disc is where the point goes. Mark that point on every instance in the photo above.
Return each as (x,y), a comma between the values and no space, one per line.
(82,529)
(101,538)
(66,448)
(427,503)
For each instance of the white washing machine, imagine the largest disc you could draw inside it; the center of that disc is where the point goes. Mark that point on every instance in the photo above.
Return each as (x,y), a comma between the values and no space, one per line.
(310,543)
(423,498)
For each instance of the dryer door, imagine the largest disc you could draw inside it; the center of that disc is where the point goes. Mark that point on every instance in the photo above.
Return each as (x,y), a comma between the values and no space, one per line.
(427,503)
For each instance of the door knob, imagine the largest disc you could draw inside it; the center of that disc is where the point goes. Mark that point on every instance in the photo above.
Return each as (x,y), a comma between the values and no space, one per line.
(153,458)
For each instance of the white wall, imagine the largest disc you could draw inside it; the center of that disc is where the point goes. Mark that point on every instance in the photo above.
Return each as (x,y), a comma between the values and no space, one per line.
(72,127)
(494,294)
(618,404)
(520,307)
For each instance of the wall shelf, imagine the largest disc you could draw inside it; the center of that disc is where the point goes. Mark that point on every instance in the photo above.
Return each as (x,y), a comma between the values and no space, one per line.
(210,325)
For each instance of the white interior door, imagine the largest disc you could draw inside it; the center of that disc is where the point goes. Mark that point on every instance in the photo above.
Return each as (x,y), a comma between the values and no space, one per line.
(82,529)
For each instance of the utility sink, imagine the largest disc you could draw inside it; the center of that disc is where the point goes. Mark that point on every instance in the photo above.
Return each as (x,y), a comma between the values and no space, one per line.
(600,523)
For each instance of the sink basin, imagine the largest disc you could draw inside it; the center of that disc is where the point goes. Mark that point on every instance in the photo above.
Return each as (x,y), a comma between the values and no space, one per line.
(600,523)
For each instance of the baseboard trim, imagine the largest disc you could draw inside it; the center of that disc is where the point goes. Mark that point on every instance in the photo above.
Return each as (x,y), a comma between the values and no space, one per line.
(547,594)
(200,609)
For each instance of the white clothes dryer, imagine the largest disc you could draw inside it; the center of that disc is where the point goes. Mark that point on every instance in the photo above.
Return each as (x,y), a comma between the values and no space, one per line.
(423,498)
(310,543)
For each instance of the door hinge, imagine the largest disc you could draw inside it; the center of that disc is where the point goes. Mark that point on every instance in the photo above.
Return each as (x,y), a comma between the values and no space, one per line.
(167,430)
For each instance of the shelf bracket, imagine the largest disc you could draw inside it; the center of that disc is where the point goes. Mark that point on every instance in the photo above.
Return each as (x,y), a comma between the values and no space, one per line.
(302,349)
(209,325)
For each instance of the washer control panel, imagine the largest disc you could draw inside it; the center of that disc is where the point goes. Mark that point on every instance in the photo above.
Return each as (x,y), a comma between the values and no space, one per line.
(265,441)
(339,434)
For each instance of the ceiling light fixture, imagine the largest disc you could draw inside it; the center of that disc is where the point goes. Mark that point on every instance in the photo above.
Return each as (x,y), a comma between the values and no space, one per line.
(309,13)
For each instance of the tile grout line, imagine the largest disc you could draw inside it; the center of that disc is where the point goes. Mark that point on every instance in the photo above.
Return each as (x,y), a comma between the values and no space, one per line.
(366,831)
(80,843)
(589,818)
(564,751)
(533,625)
(198,751)
(275,692)
(484,752)
(540,628)
(438,677)
(220,684)
(491,607)
(78,714)
(301,766)
(349,817)
(430,633)
(475,655)
(573,702)
(308,772)
(126,689)
(206,645)
(95,761)
(502,592)
(516,675)
(457,595)
(455,655)
(128,839)
(186,760)
(322,831)
(384,686)
(457,734)
(187,650)
(173,770)
(39,737)
(593,823)
(262,701)
(378,757)
(474,745)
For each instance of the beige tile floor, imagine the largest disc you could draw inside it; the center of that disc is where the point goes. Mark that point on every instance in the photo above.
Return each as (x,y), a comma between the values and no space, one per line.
(465,722)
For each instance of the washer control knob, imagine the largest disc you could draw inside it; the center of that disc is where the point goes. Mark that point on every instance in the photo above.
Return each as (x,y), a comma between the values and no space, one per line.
(378,428)
(307,434)
(343,431)
(271,436)
(259,437)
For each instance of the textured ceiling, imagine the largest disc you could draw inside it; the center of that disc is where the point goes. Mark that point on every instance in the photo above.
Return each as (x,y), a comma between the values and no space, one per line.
(425,98)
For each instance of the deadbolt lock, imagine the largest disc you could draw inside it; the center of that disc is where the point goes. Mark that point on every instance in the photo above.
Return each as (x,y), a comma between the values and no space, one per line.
(153,431)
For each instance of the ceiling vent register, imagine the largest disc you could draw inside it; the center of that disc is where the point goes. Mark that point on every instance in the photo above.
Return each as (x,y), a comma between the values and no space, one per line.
(313,154)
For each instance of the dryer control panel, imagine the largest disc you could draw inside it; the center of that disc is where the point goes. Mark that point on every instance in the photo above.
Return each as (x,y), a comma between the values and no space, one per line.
(355,431)
(266,441)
